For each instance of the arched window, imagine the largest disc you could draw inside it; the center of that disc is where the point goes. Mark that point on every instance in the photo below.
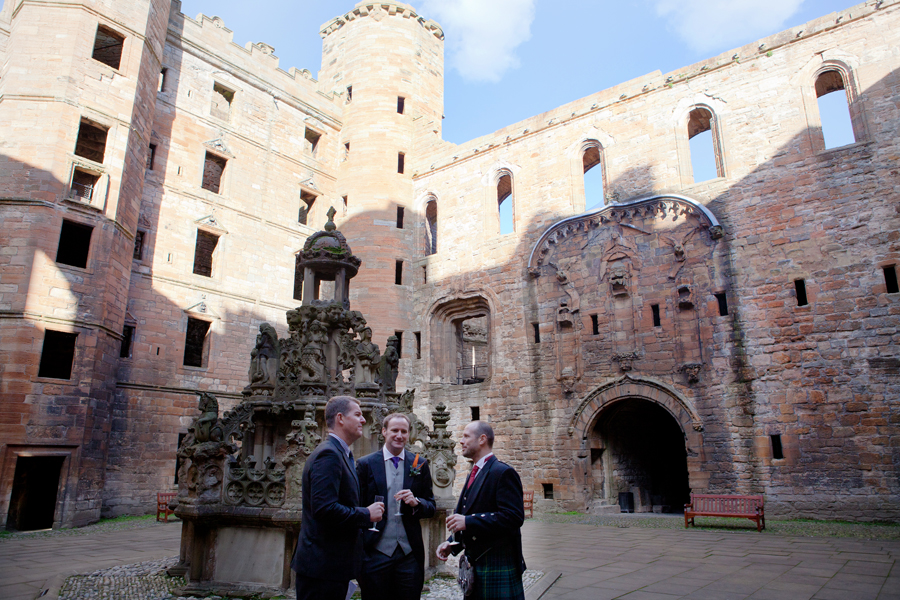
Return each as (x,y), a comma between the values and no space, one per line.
(594,196)
(505,203)
(834,109)
(461,341)
(703,138)
(431,227)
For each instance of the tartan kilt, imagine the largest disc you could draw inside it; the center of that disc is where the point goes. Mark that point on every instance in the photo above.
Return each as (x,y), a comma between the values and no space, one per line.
(498,575)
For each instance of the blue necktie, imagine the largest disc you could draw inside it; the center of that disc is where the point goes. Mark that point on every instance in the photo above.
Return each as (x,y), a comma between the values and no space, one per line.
(396,461)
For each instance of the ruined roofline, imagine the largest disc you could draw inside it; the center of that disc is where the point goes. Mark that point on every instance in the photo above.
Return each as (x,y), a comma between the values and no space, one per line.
(391,7)
(646,84)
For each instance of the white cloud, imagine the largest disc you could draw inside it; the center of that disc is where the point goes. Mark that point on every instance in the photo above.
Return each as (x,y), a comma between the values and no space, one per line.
(718,25)
(482,36)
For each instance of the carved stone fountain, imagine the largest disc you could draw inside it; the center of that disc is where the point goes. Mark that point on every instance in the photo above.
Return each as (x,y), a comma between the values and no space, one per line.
(239,493)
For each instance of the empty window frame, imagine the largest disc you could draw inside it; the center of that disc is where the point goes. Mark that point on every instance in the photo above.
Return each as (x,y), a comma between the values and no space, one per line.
(398,272)
(139,245)
(654,309)
(151,157)
(548,491)
(127,341)
(221,101)
(196,343)
(84,184)
(418,336)
(399,336)
(74,244)
(834,109)
(345,203)
(890,279)
(505,204)
(592,164)
(108,47)
(312,140)
(91,141)
(400,214)
(203,252)
(213,170)
(722,299)
(703,141)
(536,332)
(777,448)
(800,289)
(298,278)
(431,227)
(476,413)
(307,199)
(57,355)
(161,84)
(401,104)
(595,325)
(349,93)
(401,162)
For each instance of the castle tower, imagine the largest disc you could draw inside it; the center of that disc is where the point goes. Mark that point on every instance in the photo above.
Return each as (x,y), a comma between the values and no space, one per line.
(79,87)
(387,63)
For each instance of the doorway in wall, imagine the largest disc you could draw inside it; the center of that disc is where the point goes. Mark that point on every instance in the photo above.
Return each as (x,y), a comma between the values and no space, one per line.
(32,504)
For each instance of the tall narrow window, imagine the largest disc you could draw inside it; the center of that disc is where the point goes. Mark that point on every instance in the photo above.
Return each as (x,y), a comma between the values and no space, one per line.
(307,200)
(127,341)
(401,102)
(108,47)
(595,325)
(777,449)
(418,336)
(424,273)
(203,252)
(213,170)
(398,272)
(161,85)
(139,245)
(890,279)
(399,335)
(723,304)
(536,331)
(400,212)
(800,288)
(349,93)
(196,343)
(401,160)
(57,355)
(702,140)
(91,141)
(74,244)
(834,109)
(593,178)
(654,308)
(431,228)
(151,157)
(345,203)
(312,140)
(221,101)
(505,204)
(298,278)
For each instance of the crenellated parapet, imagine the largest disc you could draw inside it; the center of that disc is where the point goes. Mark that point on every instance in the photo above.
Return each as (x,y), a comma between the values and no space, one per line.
(378,11)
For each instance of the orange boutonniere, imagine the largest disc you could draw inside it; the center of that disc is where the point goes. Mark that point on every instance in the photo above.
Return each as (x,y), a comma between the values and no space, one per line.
(416,468)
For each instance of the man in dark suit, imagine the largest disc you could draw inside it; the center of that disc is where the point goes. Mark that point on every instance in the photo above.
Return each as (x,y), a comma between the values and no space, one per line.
(488,519)
(326,558)
(393,565)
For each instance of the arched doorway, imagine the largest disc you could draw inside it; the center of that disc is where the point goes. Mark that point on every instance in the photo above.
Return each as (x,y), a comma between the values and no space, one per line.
(638,447)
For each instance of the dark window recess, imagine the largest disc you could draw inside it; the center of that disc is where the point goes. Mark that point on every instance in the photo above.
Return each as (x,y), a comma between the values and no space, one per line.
(221,101)
(127,341)
(800,286)
(108,47)
(401,159)
(399,335)
(347,148)
(312,140)
(418,335)
(777,450)
(91,142)
(84,184)
(181,437)
(298,279)
(401,102)
(723,304)
(890,279)
(398,272)
(138,246)
(400,212)
(595,325)
(306,203)
(536,327)
(161,86)
(203,252)
(346,203)
(424,273)
(57,355)
(548,491)
(656,320)
(74,244)
(151,156)
(213,169)
(349,93)
(431,228)
(476,413)
(195,342)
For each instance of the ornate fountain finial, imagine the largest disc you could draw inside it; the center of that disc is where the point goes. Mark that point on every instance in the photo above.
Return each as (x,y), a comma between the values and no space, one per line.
(330,226)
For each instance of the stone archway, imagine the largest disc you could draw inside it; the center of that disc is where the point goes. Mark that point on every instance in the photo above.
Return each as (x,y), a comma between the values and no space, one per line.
(638,435)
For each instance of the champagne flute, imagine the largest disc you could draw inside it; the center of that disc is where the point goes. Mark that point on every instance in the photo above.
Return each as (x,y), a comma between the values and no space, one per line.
(399,512)
(377,499)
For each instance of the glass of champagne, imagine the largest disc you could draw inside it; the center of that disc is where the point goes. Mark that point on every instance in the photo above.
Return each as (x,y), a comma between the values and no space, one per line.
(377,499)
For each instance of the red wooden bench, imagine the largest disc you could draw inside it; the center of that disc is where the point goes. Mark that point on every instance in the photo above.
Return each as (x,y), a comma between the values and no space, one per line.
(720,505)
(528,501)
(162,505)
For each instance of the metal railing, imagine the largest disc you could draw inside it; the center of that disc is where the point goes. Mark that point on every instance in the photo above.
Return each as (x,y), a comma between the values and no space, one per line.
(472,374)
(82,191)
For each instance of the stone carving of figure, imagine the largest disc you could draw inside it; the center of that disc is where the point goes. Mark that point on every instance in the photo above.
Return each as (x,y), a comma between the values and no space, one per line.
(313,355)
(205,429)
(390,360)
(264,358)
(367,357)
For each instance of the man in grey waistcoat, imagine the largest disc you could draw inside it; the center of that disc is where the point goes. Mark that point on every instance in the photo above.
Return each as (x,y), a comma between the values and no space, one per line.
(393,565)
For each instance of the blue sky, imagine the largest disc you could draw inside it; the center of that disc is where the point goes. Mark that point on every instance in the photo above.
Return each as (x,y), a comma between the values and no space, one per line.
(507,60)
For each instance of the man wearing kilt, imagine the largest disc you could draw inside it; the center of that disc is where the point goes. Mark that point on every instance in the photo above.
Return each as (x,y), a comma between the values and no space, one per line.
(488,519)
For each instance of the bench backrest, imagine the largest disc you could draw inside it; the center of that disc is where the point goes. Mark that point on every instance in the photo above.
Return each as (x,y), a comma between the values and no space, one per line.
(721,503)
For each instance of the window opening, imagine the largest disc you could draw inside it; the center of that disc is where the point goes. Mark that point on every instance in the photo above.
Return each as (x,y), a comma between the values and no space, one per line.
(108,47)
(399,335)
(418,336)
(890,279)
(57,355)
(593,178)
(431,228)
(471,350)
(298,278)
(91,142)
(306,204)
(83,185)
(505,204)
(702,145)
(536,329)
(424,273)
(213,169)
(196,343)
(723,304)
(657,322)
(203,252)
(346,204)
(595,325)
(834,110)
(398,272)
(74,244)
(548,491)
(221,101)
(401,102)
(312,141)
(127,341)
(401,159)
(800,287)
(777,449)
(138,253)
(400,212)
(151,157)
(476,413)
(349,93)
(161,85)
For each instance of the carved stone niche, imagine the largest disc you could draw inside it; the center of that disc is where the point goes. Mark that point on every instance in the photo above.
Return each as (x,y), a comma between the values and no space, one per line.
(626,360)
(685,295)
(619,278)
(692,370)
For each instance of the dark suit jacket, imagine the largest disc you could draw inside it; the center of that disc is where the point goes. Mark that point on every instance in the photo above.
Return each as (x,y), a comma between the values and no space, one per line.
(329,530)
(373,482)
(494,513)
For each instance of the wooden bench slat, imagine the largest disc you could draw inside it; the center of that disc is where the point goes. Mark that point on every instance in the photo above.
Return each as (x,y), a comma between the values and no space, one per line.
(726,505)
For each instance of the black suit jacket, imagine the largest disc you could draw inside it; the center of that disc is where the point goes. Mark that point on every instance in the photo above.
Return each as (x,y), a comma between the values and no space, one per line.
(373,482)
(494,512)
(329,530)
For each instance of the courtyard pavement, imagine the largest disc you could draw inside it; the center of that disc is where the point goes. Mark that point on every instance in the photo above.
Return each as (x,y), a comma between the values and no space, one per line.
(594,563)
